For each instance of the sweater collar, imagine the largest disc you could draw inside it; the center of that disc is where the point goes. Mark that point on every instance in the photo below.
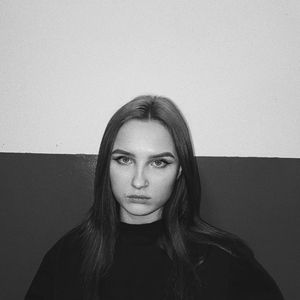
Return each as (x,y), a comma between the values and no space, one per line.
(141,233)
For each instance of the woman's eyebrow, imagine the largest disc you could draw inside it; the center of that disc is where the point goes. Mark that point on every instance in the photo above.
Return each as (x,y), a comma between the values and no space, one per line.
(163,154)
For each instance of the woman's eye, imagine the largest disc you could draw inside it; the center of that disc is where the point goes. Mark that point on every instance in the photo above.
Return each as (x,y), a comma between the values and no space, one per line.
(160,163)
(123,160)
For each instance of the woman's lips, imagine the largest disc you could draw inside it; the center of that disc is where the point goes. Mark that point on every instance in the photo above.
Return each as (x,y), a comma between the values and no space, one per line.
(138,197)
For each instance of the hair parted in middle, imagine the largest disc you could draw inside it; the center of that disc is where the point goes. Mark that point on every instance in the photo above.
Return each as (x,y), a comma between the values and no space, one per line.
(182,223)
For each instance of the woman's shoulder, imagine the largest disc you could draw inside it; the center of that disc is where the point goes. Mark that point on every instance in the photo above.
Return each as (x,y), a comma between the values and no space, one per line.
(65,251)
(242,275)
(69,244)
(60,266)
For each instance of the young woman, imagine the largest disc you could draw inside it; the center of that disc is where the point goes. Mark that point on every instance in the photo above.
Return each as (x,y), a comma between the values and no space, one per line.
(144,237)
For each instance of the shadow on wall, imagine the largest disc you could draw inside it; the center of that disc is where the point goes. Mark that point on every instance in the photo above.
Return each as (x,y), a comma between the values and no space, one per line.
(43,196)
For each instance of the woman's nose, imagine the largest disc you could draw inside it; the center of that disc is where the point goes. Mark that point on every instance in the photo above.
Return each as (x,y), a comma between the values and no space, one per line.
(139,179)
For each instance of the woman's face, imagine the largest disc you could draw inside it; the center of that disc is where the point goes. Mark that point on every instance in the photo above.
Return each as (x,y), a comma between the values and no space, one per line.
(143,169)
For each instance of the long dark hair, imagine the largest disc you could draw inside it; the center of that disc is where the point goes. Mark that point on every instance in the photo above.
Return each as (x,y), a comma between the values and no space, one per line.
(183,225)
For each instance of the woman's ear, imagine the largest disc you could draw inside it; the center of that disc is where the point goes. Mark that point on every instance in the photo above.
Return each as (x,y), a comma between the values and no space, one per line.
(179,172)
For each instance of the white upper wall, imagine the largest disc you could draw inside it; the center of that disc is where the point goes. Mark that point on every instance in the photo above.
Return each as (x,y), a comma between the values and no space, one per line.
(231,66)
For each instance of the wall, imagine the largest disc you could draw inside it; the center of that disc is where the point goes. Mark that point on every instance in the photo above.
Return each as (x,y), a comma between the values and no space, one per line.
(232,67)
(45,195)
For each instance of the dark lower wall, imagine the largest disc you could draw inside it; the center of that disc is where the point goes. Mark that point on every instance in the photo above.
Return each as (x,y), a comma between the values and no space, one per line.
(44,195)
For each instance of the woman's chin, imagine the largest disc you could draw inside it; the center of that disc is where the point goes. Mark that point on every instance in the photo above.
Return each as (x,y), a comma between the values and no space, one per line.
(138,209)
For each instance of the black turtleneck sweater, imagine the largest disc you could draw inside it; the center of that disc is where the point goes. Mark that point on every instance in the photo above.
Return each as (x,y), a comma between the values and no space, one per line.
(141,270)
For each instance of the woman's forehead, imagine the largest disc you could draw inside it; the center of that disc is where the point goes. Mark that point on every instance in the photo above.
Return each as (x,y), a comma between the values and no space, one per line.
(144,136)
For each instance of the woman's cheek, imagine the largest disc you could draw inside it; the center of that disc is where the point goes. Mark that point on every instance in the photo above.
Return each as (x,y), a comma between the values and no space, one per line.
(168,174)
(165,180)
